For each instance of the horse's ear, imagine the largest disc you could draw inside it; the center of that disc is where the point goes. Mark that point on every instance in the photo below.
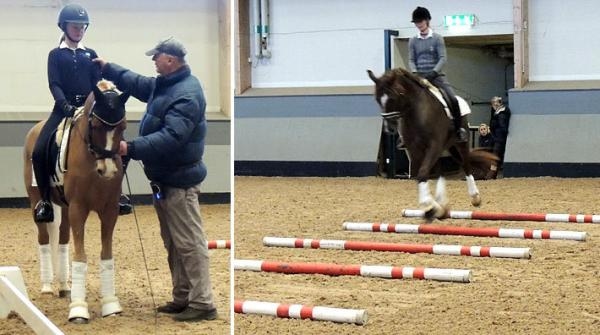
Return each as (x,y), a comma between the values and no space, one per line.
(123,97)
(372,76)
(98,95)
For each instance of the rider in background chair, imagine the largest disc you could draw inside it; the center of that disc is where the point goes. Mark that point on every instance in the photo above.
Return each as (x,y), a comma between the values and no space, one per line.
(71,77)
(427,57)
(486,140)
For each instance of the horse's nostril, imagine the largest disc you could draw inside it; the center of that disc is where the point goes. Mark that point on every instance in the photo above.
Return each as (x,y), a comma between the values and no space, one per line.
(99,171)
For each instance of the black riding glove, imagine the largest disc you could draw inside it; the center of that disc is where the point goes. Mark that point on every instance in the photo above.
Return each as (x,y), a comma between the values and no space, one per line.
(431,75)
(68,109)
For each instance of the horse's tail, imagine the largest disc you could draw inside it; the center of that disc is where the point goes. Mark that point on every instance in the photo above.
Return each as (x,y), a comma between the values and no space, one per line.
(483,163)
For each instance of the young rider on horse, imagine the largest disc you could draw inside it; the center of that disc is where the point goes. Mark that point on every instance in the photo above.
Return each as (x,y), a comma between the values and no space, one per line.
(427,57)
(71,77)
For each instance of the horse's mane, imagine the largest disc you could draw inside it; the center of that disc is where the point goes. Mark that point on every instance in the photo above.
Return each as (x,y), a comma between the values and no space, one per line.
(408,77)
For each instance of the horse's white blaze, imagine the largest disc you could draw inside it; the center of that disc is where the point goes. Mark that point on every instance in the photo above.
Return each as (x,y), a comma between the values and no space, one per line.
(107,166)
(111,168)
(109,139)
(384,99)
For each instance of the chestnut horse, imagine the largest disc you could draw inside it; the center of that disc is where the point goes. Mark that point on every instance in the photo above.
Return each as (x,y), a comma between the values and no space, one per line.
(91,182)
(409,107)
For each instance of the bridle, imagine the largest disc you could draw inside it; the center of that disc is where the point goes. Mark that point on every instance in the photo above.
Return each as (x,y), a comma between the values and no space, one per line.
(97,151)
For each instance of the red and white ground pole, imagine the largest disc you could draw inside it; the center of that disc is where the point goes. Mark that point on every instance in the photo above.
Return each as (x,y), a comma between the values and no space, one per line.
(342,315)
(380,271)
(542,217)
(466,231)
(437,249)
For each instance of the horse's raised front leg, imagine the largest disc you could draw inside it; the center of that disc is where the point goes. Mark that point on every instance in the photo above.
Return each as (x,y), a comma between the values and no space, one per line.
(110,302)
(427,203)
(78,309)
(473,191)
(463,151)
(440,196)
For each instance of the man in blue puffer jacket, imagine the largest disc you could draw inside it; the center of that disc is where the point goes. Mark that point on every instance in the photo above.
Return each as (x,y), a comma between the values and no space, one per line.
(170,145)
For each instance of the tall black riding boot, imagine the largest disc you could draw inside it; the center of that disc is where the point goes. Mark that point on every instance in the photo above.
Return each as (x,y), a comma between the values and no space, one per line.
(43,211)
(461,133)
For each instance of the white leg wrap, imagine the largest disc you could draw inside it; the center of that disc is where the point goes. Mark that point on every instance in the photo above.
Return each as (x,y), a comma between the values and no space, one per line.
(63,266)
(110,303)
(78,281)
(107,277)
(471,187)
(440,191)
(53,229)
(78,306)
(46,273)
(424,193)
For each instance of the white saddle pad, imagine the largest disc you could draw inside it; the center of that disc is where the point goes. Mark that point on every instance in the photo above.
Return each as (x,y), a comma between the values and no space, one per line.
(462,104)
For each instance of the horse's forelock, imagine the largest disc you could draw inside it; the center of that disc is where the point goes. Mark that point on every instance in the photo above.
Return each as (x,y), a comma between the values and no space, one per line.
(106,85)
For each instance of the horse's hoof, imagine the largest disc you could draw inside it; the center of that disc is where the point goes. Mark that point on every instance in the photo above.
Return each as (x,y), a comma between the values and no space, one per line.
(112,315)
(436,211)
(429,215)
(443,212)
(78,312)
(64,293)
(111,306)
(79,321)
(428,212)
(46,289)
(476,200)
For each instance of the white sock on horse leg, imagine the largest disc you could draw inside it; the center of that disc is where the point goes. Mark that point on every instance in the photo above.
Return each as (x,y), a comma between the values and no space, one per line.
(63,264)
(110,303)
(471,187)
(440,191)
(78,281)
(46,272)
(78,308)
(424,193)
(107,277)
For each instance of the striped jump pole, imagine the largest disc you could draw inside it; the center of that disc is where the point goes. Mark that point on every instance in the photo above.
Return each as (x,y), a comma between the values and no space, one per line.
(466,231)
(437,249)
(548,217)
(342,315)
(381,271)
(219,244)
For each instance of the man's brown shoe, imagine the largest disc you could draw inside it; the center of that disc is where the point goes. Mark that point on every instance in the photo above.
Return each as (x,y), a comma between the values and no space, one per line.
(192,314)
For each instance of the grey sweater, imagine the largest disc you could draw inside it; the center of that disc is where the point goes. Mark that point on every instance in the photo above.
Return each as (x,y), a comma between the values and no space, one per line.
(426,55)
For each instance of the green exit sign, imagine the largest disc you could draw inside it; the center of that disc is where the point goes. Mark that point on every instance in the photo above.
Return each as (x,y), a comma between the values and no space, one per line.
(459,20)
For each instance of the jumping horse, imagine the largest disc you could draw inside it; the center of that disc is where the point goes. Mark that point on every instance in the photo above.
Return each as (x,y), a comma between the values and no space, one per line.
(409,107)
(91,182)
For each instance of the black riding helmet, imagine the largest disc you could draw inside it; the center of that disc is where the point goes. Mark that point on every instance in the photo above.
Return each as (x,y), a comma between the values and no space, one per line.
(420,14)
(72,13)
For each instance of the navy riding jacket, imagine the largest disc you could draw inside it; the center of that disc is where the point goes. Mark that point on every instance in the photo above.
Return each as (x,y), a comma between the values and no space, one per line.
(72,74)
(172,131)
(499,123)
